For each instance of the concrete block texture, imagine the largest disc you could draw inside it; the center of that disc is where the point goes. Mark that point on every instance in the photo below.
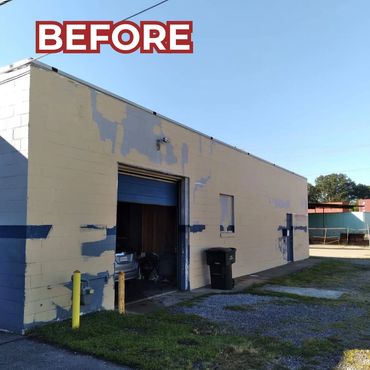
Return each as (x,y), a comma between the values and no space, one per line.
(78,136)
(14,107)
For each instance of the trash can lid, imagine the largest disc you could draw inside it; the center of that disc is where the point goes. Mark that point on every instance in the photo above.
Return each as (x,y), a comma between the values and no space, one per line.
(220,249)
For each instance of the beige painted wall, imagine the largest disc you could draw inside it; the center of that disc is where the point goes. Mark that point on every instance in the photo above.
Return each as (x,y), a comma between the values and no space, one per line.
(77,137)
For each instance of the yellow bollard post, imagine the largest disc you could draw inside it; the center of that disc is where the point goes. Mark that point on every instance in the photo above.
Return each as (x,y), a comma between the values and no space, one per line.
(76,297)
(121,292)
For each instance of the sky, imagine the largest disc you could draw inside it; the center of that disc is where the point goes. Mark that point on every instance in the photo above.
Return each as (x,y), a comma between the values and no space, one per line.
(287,80)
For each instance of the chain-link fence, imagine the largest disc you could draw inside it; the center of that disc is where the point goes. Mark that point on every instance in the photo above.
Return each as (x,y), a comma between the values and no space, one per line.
(339,235)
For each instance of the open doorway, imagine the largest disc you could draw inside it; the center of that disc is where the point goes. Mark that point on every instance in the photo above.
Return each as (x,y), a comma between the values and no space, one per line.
(150,242)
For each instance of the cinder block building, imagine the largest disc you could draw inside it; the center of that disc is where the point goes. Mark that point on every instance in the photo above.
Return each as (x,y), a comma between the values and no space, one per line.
(85,173)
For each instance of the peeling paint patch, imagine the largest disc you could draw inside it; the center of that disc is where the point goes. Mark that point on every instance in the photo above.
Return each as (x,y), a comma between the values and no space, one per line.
(107,128)
(24,231)
(198,228)
(97,248)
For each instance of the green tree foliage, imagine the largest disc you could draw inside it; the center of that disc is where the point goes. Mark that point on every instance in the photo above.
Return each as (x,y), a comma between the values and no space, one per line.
(313,195)
(362,191)
(335,187)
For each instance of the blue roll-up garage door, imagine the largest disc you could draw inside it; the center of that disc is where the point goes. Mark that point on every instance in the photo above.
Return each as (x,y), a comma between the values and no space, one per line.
(134,189)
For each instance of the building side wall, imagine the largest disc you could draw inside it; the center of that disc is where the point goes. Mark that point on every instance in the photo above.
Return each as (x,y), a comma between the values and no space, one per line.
(14,116)
(77,139)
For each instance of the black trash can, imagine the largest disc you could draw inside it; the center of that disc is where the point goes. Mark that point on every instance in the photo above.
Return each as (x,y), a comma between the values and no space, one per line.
(220,261)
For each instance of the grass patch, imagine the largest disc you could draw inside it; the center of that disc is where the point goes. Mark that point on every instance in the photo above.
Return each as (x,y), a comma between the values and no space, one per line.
(315,347)
(164,340)
(161,340)
(330,273)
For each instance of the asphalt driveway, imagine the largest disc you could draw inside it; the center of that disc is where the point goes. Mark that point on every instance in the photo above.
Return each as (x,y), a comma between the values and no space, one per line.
(18,353)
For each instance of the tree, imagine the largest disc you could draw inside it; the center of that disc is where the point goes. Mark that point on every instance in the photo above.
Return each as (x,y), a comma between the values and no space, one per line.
(335,187)
(362,191)
(313,195)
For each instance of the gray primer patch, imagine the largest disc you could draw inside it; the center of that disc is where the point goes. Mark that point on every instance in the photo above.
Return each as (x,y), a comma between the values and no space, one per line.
(280,203)
(211,143)
(97,282)
(107,128)
(306,292)
(140,129)
(170,157)
(184,156)
(141,132)
(200,184)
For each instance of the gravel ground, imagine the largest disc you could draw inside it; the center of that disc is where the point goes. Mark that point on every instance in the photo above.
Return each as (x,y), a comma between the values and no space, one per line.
(285,319)
(282,318)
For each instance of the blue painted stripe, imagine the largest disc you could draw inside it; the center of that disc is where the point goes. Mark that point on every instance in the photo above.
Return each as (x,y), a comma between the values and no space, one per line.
(24,231)
(197,228)
(110,230)
(93,227)
(146,191)
(302,228)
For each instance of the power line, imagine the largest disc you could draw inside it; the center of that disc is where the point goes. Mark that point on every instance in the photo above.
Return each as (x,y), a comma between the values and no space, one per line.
(3,2)
(145,10)
(125,19)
